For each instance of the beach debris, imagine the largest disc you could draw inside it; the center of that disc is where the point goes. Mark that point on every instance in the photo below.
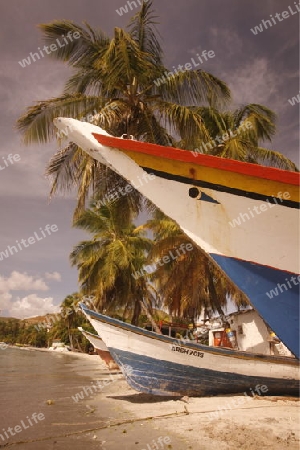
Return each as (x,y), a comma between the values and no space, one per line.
(50,402)
(91,410)
(185,409)
(94,437)
(185,399)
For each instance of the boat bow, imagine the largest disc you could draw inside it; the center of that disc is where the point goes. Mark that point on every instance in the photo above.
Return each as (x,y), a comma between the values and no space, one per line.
(245,216)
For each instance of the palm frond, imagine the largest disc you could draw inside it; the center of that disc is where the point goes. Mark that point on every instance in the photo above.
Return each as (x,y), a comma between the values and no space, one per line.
(62,169)
(143,31)
(82,51)
(37,123)
(123,61)
(184,120)
(262,118)
(273,158)
(192,87)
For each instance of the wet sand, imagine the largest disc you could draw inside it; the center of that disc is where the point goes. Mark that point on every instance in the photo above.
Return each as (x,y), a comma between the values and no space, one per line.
(96,409)
(69,391)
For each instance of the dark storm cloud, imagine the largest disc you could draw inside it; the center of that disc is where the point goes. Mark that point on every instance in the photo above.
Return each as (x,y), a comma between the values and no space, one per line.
(260,68)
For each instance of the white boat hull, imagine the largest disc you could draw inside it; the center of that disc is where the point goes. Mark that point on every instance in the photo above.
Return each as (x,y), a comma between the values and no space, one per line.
(161,365)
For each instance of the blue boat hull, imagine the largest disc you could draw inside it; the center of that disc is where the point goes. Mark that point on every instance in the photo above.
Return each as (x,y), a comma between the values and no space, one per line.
(153,376)
(273,293)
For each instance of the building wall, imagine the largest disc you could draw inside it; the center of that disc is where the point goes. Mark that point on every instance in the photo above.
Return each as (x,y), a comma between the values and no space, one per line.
(254,337)
(251,332)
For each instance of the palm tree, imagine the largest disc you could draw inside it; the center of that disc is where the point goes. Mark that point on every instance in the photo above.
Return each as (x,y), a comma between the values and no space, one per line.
(189,282)
(115,82)
(238,134)
(69,307)
(110,264)
(71,317)
(115,85)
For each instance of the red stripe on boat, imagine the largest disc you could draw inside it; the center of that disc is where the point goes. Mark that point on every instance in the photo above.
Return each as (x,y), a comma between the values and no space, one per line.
(229,165)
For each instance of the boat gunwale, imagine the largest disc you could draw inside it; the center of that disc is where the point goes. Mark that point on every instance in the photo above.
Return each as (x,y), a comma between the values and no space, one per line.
(216,162)
(91,334)
(195,346)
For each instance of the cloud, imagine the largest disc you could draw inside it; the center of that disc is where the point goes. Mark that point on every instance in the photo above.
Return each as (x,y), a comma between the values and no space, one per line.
(225,42)
(5,301)
(22,282)
(255,82)
(53,276)
(31,306)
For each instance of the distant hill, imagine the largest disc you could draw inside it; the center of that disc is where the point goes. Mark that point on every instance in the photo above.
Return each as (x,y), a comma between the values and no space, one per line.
(32,320)
(37,319)
(8,319)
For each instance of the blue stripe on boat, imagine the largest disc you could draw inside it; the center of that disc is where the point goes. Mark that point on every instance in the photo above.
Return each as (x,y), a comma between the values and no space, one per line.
(154,376)
(281,312)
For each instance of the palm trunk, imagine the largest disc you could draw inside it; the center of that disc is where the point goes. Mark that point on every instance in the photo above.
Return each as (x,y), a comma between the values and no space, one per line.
(136,313)
(153,323)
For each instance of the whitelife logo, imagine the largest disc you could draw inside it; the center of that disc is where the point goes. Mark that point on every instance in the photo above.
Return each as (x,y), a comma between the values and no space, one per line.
(118,191)
(124,9)
(24,243)
(159,443)
(9,160)
(267,23)
(186,67)
(53,48)
(235,402)
(292,101)
(221,139)
(165,260)
(274,292)
(24,424)
(259,209)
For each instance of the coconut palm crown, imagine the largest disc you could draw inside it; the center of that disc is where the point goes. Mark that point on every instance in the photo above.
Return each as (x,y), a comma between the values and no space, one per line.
(107,263)
(114,84)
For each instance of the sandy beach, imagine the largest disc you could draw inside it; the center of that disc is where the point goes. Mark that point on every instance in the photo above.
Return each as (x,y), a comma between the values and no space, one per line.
(223,422)
(88,406)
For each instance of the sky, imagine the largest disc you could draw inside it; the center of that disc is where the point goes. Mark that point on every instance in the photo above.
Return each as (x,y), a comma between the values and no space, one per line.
(259,68)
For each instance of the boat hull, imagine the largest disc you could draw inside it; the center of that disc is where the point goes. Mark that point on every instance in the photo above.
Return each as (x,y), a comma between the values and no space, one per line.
(160,365)
(255,207)
(101,349)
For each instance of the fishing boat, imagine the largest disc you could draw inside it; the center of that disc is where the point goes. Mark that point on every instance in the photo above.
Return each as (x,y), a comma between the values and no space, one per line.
(244,216)
(161,365)
(59,347)
(100,348)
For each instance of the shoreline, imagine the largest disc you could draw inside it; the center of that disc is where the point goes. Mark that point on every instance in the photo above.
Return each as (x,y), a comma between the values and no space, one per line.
(120,417)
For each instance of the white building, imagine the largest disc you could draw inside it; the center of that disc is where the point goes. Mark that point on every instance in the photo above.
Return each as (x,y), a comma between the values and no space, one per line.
(251,334)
